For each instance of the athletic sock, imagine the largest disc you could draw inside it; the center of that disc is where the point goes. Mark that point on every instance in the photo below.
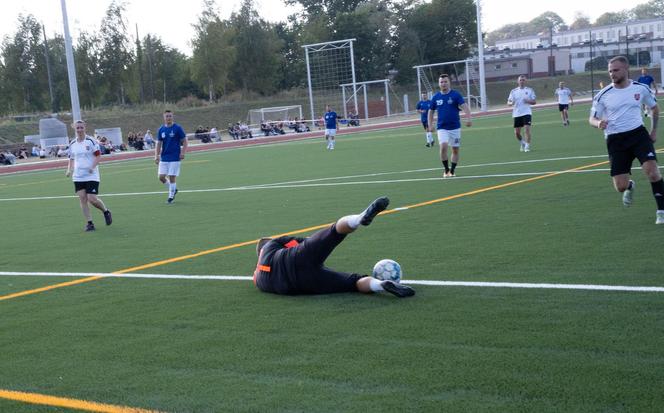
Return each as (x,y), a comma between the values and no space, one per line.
(658,192)
(353,221)
(429,138)
(375,285)
(631,185)
(171,190)
(453,167)
(445,164)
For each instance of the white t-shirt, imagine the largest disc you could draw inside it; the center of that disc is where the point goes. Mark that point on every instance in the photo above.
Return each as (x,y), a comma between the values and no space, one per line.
(83,154)
(564,95)
(517,97)
(621,108)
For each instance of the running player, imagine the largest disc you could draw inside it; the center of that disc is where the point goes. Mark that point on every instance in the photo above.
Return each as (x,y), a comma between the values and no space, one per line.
(565,99)
(521,98)
(448,102)
(617,110)
(649,81)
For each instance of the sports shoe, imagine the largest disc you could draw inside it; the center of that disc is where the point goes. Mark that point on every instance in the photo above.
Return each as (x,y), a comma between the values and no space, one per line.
(89,227)
(446,174)
(526,148)
(451,174)
(397,289)
(428,145)
(521,147)
(660,217)
(628,195)
(374,209)
(108,217)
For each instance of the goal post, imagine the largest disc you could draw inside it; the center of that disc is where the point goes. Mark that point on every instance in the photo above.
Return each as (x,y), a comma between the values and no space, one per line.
(464,76)
(277,113)
(329,65)
(373,97)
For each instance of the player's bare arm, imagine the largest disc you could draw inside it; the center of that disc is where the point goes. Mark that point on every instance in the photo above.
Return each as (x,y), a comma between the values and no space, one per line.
(654,120)
(157,152)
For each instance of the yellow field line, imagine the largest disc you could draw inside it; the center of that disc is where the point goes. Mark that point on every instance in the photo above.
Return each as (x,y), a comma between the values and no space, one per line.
(36,398)
(299,231)
(49,287)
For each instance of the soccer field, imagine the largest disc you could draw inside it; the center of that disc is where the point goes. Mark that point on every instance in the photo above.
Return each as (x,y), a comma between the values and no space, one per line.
(548,220)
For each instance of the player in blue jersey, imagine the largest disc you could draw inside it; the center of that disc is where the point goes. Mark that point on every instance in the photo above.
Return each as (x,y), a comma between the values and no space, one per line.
(331,126)
(448,103)
(649,81)
(171,147)
(423,108)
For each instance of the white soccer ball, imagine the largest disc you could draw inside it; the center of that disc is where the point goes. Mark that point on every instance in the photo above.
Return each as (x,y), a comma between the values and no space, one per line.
(387,270)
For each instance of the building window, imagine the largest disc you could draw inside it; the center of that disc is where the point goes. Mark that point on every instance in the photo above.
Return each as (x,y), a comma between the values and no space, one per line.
(652,27)
(514,65)
(580,55)
(497,67)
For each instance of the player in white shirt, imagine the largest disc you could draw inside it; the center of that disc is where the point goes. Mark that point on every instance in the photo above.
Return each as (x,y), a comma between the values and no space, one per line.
(84,157)
(521,98)
(617,110)
(565,99)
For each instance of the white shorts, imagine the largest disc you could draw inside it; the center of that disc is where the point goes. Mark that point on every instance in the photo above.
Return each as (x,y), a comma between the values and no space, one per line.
(330,132)
(451,137)
(169,168)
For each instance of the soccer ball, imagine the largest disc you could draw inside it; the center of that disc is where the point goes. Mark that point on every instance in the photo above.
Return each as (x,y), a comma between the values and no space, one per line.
(387,270)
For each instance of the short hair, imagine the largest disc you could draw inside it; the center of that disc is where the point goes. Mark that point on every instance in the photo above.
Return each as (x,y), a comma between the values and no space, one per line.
(621,59)
(168,111)
(444,75)
(77,122)
(522,76)
(261,243)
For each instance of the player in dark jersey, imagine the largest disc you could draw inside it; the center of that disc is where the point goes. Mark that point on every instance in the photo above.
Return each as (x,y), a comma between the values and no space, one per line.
(649,81)
(423,107)
(293,265)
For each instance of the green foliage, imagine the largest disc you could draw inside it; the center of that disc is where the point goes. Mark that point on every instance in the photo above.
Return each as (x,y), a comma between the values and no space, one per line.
(115,56)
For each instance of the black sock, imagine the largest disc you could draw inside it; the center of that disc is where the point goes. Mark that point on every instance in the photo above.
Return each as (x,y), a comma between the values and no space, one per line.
(453,167)
(89,222)
(658,192)
(447,168)
(631,185)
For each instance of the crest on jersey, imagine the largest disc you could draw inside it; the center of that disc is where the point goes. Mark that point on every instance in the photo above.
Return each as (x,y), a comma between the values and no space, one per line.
(637,96)
(87,147)
(450,101)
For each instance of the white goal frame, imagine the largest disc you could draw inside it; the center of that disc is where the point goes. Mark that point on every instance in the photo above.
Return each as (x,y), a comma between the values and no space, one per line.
(423,80)
(310,49)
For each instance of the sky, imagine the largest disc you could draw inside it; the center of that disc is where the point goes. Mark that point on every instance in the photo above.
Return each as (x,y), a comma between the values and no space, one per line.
(172,19)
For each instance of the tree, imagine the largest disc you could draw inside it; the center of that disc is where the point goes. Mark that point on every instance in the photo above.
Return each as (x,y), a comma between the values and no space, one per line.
(115,57)
(581,21)
(649,10)
(612,18)
(547,21)
(257,46)
(213,53)
(25,80)
(88,75)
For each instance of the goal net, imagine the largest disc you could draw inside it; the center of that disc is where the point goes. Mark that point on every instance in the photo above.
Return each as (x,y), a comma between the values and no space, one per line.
(375,98)
(274,114)
(464,77)
(330,65)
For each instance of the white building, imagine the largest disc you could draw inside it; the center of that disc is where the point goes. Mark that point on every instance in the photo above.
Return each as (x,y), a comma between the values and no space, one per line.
(635,38)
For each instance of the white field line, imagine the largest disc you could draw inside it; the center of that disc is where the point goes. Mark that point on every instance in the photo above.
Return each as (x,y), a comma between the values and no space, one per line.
(305,185)
(547,286)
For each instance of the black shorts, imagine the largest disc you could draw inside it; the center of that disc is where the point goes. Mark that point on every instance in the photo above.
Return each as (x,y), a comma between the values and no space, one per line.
(91,187)
(562,107)
(521,121)
(624,147)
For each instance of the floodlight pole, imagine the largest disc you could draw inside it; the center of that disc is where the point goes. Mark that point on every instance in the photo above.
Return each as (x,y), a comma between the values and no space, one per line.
(71,67)
(480,56)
